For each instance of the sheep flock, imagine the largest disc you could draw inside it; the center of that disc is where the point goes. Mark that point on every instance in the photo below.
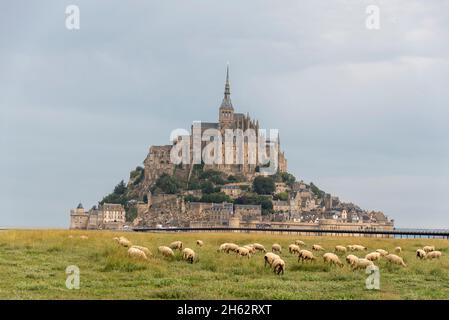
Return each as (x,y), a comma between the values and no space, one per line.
(355,256)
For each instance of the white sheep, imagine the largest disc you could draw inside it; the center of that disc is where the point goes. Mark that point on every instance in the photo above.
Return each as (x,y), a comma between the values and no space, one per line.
(382,252)
(166,251)
(251,248)
(429,248)
(243,252)
(362,263)
(278,266)
(222,247)
(398,249)
(305,255)
(84,237)
(188,255)
(269,258)
(434,255)
(332,258)
(299,243)
(421,254)
(259,247)
(358,247)
(392,258)
(124,242)
(351,259)
(373,256)
(144,249)
(199,243)
(176,245)
(137,253)
(276,248)
(341,249)
(317,247)
(231,247)
(294,249)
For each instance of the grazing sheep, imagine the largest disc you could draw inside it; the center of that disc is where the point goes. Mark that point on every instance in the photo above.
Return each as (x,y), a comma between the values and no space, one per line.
(350,247)
(278,266)
(188,255)
(222,247)
(137,253)
(251,248)
(124,242)
(231,247)
(433,255)
(176,245)
(166,251)
(392,258)
(305,255)
(293,248)
(144,249)
(300,243)
(70,236)
(362,264)
(352,259)
(398,249)
(199,243)
(421,254)
(116,239)
(243,252)
(382,252)
(340,249)
(373,256)
(317,247)
(226,247)
(357,247)
(276,248)
(259,247)
(84,237)
(269,258)
(332,258)
(429,248)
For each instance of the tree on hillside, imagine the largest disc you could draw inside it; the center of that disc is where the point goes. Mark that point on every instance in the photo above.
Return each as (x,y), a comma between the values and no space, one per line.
(118,196)
(255,199)
(264,185)
(167,184)
(316,191)
(281,196)
(288,178)
(120,188)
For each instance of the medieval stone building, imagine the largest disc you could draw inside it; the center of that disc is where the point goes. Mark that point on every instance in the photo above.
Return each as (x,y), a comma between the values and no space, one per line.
(158,159)
(107,216)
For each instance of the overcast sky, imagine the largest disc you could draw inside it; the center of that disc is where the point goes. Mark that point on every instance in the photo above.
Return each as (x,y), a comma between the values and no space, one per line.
(362,113)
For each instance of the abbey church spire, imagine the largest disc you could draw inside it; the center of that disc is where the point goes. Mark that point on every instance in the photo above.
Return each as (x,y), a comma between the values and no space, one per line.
(227,93)
(226,112)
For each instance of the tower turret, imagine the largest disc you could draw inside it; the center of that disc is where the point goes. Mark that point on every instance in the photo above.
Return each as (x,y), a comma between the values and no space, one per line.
(226,112)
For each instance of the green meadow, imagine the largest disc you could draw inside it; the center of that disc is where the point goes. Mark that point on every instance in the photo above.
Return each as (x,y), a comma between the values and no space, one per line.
(33,266)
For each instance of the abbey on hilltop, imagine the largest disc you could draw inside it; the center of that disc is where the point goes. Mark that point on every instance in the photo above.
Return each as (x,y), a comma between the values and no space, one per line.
(224,194)
(158,161)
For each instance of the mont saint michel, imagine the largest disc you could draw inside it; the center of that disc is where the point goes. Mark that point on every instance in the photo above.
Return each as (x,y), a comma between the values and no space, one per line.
(205,178)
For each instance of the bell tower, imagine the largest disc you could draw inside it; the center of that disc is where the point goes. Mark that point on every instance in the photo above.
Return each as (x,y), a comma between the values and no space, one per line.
(226,111)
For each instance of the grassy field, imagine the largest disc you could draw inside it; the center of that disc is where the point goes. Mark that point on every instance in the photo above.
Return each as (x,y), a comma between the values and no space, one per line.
(33,264)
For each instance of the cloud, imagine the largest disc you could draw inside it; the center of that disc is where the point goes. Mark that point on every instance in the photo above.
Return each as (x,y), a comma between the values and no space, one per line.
(80,109)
